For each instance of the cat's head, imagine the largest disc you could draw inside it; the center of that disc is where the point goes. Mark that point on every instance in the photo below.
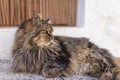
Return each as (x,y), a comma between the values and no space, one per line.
(39,32)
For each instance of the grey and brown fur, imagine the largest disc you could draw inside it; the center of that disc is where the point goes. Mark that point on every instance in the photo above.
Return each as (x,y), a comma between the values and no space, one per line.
(36,50)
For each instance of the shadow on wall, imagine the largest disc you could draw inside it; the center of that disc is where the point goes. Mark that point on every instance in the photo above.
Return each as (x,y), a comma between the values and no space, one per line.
(80,13)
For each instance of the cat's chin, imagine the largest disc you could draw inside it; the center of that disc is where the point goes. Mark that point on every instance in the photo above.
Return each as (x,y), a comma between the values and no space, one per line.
(43,44)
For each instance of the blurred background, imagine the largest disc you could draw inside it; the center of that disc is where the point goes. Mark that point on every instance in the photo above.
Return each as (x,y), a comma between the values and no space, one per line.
(61,12)
(98,20)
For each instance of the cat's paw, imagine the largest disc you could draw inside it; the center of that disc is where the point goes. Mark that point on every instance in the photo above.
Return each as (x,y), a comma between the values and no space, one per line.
(51,73)
(106,76)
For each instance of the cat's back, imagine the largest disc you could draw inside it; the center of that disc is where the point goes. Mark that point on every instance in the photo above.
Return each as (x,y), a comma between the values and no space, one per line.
(73,42)
(83,46)
(85,53)
(72,45)
(81,43)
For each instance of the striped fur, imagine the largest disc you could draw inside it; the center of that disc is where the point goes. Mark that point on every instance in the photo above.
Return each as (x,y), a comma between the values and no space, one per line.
(36,50)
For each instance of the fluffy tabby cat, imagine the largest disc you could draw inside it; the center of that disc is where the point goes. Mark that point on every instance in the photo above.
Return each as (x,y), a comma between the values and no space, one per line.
(36,50)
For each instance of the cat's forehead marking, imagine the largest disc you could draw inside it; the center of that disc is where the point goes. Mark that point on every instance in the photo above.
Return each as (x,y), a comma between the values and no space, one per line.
(44,26)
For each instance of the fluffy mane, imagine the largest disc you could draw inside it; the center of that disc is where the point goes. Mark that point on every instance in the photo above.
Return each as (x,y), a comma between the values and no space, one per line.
(34,59)
(36,51)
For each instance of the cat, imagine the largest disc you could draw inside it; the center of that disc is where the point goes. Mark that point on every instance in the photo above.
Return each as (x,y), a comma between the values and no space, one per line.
(37,50)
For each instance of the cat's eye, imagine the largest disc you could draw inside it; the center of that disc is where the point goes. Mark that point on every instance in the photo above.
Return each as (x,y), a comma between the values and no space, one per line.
(44,31)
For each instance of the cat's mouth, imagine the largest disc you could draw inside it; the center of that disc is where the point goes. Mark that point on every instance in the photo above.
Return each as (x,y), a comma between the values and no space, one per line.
(45,44)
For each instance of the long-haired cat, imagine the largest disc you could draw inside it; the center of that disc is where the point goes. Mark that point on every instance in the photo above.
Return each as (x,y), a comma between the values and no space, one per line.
(36,50)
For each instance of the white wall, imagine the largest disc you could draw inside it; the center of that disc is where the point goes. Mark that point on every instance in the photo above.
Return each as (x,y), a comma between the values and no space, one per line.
(102,19)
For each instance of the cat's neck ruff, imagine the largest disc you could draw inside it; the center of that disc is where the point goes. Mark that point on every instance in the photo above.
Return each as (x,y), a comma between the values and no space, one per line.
(43,44)
(34,56)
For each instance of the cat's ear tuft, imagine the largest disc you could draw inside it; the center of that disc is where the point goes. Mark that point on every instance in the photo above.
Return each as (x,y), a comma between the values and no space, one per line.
(37,19)
(39,15)
(49,21)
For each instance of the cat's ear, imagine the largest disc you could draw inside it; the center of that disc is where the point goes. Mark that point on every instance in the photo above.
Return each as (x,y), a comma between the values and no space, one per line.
(48,21)
(37,19)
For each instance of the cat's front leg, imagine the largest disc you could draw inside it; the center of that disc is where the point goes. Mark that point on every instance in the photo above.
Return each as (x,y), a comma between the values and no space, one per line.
(52,70)
(106,76)
(113,74)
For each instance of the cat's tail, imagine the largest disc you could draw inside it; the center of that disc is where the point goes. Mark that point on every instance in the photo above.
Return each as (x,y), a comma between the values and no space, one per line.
(116,70)
(116,73)
(117,60)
